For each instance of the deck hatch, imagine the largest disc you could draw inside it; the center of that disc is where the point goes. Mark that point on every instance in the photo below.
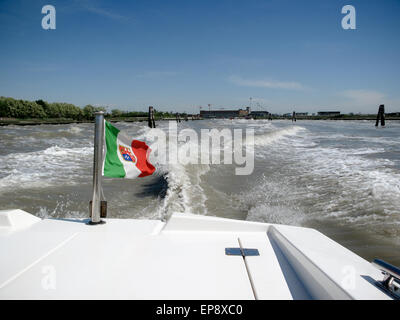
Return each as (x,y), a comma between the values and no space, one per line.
(241,252)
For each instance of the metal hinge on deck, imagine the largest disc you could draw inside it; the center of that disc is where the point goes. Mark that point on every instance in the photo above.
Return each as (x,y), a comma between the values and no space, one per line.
(241,252)
(391,282)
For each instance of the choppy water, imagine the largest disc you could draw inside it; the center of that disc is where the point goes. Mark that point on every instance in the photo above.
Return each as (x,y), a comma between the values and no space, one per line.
(340,177)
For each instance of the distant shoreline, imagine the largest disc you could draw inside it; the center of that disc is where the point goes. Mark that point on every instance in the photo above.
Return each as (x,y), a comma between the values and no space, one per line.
(56,121)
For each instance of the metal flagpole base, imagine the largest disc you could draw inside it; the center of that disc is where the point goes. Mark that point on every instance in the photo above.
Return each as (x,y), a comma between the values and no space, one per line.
(91,223)
(97,206)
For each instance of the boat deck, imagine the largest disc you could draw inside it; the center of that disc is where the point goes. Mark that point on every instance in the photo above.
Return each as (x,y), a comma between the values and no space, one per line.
(184,258)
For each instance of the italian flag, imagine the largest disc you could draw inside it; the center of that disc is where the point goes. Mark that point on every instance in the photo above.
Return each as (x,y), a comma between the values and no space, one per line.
(125,157)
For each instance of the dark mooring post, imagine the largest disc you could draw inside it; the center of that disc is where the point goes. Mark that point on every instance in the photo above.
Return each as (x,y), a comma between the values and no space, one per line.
(381,116)
(294,116)
(152,123)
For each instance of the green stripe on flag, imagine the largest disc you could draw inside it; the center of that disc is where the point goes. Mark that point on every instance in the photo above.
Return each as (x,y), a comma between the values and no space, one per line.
(113,167)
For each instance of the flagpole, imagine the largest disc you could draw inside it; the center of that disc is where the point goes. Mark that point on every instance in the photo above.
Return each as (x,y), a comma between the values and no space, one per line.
(97,168)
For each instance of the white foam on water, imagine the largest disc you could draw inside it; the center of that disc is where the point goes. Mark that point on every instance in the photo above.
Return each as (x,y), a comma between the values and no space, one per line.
(75,130)
(347,185)
(184,193)
(60,211)
(49,167)
(276,134)
(306,179)
(272,201)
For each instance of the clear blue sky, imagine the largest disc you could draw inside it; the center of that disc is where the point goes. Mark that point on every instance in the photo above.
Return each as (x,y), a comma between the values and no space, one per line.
(178,55)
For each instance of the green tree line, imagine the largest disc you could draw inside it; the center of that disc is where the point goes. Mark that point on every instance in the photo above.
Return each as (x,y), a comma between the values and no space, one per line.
(24,109)
(40,109)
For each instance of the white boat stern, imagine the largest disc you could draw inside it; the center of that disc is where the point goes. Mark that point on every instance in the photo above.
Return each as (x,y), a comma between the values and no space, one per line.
(184,258)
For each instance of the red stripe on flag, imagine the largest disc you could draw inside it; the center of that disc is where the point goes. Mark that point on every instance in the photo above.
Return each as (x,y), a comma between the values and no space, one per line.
(141,151)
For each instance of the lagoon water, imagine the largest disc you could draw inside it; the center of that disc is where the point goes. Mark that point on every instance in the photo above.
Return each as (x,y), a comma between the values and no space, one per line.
(339,177)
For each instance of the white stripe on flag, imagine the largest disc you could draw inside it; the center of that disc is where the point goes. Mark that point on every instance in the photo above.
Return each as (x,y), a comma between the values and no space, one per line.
(131,171)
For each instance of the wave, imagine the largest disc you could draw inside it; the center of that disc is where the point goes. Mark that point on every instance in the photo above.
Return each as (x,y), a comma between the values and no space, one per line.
(184,192)
(348,186)
(52,166)
(272,200)
(275,135)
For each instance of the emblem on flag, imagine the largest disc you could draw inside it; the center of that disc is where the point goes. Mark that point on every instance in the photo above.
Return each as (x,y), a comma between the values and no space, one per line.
(127,154)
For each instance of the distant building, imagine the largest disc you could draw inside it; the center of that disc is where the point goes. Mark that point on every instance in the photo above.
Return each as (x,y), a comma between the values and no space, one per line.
(302,114)
(393,114)
(259,114)
(329,113)
(225,114)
